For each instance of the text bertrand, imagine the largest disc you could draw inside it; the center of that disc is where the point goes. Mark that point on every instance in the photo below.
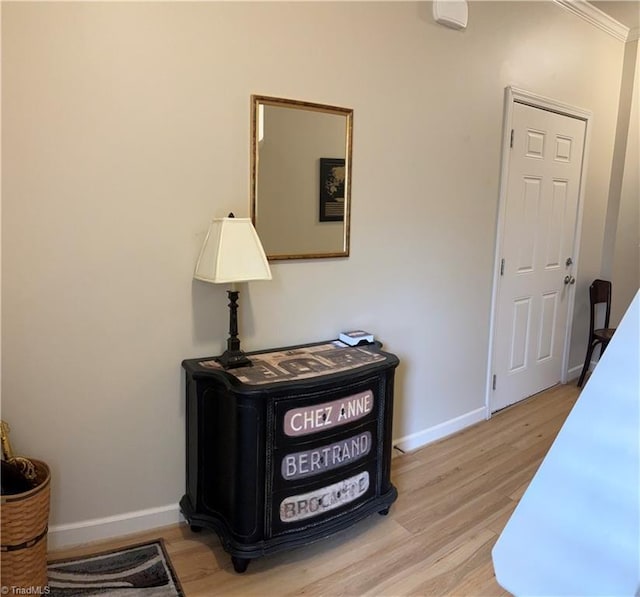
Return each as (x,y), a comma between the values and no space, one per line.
(325,458)
(301,421)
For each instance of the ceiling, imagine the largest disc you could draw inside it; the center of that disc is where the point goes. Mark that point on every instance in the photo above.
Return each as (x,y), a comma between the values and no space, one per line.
(626,12)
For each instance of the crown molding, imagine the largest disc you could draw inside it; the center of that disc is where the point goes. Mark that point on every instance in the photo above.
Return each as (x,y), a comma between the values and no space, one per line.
(599,19)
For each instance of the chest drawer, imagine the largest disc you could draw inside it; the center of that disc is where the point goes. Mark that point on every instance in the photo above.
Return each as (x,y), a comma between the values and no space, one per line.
(301,463)
(327,498)
(308,416)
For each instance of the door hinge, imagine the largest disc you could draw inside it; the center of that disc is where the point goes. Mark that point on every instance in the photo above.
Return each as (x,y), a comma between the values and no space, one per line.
(502,267)
(511,141)
(494,382)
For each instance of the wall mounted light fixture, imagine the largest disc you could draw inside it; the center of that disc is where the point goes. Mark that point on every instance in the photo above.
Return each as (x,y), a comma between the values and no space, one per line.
(451,13)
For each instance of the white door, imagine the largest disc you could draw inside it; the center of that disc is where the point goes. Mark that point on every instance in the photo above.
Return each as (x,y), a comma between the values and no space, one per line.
(543,187)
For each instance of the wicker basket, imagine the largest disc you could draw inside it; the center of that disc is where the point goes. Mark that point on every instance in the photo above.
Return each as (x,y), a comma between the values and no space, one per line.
(24,519)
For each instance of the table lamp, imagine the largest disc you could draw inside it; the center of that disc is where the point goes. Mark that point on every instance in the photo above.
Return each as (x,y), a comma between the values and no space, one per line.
(232,253)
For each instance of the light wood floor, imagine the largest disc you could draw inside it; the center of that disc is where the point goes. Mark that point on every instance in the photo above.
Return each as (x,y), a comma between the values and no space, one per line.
(455,496)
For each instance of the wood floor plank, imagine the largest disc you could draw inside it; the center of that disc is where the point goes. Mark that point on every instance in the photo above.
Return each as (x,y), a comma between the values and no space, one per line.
(455,497)
(439,576)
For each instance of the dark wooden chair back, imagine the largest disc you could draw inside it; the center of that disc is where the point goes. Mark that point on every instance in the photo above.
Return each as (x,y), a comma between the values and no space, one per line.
(600,292)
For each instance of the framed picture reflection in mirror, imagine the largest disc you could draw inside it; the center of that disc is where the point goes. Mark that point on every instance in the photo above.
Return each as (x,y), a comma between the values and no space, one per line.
(331,192)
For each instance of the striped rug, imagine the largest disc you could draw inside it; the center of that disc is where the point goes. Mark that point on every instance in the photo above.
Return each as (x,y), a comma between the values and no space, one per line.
(135,571)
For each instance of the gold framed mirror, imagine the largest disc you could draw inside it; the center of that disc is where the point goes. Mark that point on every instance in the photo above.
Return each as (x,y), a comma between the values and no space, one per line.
(301,177)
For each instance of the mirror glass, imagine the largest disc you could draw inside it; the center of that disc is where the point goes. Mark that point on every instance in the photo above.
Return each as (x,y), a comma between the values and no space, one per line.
(301,177)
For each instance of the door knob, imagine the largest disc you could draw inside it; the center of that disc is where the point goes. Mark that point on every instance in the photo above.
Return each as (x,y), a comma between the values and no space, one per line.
(569,280)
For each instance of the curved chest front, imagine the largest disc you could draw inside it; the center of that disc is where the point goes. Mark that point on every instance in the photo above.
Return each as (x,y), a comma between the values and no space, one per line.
(276,464)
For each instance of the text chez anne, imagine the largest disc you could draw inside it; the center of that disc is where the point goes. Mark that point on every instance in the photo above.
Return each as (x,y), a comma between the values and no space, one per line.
(300,421)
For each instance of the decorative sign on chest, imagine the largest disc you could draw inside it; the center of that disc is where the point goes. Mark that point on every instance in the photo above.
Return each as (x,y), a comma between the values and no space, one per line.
(325,458)
(314,503)
(311,419)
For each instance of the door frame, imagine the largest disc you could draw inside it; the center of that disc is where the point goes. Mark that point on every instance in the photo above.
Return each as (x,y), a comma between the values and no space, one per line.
(513,95)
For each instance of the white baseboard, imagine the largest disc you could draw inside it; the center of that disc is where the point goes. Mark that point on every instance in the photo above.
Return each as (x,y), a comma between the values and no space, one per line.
(432,434)
(86,531)
(575,372)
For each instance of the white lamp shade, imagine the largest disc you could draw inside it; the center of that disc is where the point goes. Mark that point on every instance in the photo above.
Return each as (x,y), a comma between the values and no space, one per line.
(232,252)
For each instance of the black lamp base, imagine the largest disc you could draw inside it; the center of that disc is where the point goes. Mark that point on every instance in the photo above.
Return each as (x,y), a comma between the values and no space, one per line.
(233,357)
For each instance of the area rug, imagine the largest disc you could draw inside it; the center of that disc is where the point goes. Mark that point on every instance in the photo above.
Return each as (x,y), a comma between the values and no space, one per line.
(136,571)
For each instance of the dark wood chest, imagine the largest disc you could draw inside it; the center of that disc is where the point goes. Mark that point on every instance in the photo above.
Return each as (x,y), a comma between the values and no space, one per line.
(290,450)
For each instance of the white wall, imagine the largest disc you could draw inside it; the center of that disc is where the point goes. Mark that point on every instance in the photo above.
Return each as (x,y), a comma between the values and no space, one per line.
(625,271)
(126,128)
